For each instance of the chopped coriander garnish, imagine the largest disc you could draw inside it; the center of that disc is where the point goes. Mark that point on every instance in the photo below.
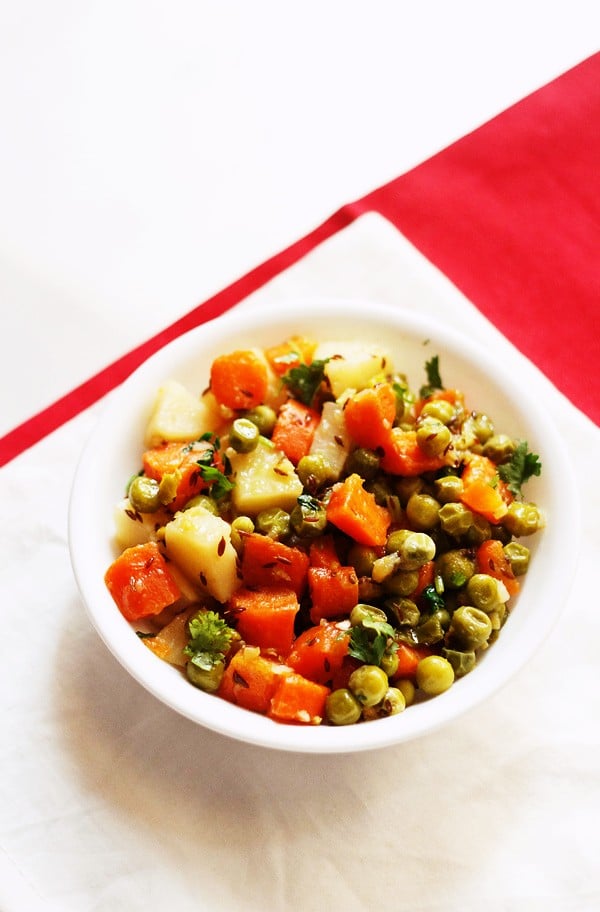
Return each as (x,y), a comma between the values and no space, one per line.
(304,380)
(434,380)
(520,468)
(210,639)
(369,640)
(432,599)
(220,484)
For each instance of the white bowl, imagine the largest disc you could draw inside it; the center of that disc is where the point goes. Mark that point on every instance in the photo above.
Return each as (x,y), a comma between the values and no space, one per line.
(114,452)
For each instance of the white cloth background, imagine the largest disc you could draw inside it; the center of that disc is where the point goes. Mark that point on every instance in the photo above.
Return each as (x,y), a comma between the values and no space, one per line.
(109,801)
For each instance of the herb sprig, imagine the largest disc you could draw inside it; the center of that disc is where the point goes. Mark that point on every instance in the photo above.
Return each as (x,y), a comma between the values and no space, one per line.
(304,380)
(522,466)
(434,380)
(370,639)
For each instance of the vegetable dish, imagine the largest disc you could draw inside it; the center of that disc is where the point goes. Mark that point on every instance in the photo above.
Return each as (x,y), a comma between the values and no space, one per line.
(316,540)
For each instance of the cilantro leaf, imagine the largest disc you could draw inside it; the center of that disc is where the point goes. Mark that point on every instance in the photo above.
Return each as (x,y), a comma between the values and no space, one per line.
(432,599)
(520,468)
(220,485)
(210,639)
(434,380)
(370,639)
(304,380)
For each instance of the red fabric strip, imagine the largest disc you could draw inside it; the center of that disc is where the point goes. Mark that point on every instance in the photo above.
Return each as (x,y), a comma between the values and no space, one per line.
(510,213)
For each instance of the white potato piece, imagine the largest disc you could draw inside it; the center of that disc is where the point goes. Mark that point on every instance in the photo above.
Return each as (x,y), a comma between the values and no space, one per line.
(331,439)
(199,543)
(135,528)
(264,479)
(352,365)
(178,415)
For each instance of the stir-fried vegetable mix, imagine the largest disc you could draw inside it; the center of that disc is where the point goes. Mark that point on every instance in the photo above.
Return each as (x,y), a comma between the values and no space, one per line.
(314,540)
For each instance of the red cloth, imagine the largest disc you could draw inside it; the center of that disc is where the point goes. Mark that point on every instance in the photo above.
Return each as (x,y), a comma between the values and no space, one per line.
(510,213)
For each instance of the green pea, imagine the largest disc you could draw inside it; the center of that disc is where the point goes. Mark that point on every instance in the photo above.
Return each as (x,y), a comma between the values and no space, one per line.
(455,519)
(422,512)
(499,448)
(381,490)
(144,494)
(413,548)
(389,663)
(430,630)
(315,472)
(518,556)
(483,427)
(433,437)
(206,679)
(406,487)
(434,675)
(405,611)
(369,684)
(243,436)
(454,568)
(448,489)
(273,522)
(482,592)
(403,583)
(462,662)
(342,707)
(361,613)
(470,628)
(440,409)
(368,590)
(308,519)
(362,558)
(479,531)
(407,689)
(522,519)
(363,462)
(264,417)
(392,703)
(240,526)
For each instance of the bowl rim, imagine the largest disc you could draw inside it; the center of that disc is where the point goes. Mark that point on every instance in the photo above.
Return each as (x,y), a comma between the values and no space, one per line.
(242,725)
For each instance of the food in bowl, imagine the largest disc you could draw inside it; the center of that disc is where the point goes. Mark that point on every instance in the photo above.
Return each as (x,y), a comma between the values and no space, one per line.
(315,539)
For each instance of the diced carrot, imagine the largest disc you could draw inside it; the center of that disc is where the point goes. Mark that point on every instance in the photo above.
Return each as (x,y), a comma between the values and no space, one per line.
(323,552)
(294,429)
(483,491)
(250,680)
(297,699)
(266,562)
(265,617)
(182,458)
(355,512)
(319,652)
(140,582)
(333,591)
(408,659)
(402,455)
(294,351)
(491,559)
(482,498)
(239,380)
(370,414)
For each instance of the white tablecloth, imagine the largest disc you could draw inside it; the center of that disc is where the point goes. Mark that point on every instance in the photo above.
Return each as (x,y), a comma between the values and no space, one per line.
(149,155)
(110,801)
